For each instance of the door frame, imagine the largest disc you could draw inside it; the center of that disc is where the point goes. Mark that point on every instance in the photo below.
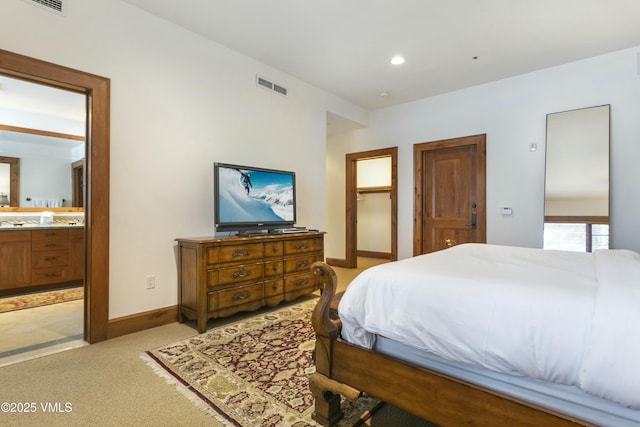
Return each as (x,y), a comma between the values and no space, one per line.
(351,231)
(480,141)
(97,91)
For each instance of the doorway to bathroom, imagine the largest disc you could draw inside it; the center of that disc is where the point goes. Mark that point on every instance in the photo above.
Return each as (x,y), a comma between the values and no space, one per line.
(95,89)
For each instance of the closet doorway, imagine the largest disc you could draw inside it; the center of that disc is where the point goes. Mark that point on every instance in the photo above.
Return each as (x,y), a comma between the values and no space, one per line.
(96,89)
(355,191)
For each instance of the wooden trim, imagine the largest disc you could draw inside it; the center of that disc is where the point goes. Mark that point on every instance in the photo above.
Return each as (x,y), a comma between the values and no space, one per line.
(42,132)
(335,262)
(577,219)
(351,211)
(141,321)
(67,209)
(97,91)
(373,190)
(14,181)
(373,254)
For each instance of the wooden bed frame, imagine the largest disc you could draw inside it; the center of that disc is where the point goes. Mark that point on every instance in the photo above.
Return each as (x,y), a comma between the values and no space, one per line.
(348,370)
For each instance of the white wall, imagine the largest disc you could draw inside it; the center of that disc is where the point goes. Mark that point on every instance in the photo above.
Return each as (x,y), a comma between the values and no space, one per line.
(374,223)
(512,113)
(178,103)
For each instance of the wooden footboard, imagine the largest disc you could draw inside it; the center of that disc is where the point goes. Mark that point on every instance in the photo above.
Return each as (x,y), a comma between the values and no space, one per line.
(348,370)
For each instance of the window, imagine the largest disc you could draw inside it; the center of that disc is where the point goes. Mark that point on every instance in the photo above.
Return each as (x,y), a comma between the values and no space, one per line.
(579,237)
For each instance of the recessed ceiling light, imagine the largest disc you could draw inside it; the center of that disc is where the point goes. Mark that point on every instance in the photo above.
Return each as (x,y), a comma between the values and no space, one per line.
(397,60)
(384,93)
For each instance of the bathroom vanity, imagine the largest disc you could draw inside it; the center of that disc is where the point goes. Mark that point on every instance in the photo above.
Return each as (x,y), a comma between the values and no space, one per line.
(38,258)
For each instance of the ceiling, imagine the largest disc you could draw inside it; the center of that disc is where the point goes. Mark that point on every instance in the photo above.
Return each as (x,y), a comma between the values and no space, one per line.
(344,46)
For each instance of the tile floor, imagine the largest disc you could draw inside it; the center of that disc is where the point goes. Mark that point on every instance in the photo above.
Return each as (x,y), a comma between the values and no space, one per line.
(35,332)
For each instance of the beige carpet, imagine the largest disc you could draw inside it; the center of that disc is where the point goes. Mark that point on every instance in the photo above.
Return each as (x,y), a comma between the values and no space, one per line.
(107,384)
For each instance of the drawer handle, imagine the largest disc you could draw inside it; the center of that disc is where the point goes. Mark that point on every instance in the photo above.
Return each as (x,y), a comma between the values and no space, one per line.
(274,249)
(50,275)
(301,246)
(50,258)
(241,274)
(302,282)
(240,252)
(241,295)
(274,286)
(302,263)
(50,245)
(275,268)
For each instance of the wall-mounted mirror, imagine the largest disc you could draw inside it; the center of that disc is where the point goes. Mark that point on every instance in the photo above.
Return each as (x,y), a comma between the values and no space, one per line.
(46,173)
(576,203)
(44,129)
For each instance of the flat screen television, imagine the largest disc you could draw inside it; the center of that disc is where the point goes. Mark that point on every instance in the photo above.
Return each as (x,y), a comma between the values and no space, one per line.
(253,199)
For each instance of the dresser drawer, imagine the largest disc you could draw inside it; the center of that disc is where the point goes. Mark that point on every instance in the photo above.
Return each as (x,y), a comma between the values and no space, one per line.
(273,287)
(273,249)
(273,292)
(299,284)
(236,296)
(235,274)
(211,254)
(15,236)
(241,253)
(273,268)
(302,246)
(49,259)
(299,264)
(49,245)
(41,276)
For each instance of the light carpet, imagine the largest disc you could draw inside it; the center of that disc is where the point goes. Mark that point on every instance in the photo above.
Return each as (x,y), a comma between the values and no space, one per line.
(39,299)
(254,372)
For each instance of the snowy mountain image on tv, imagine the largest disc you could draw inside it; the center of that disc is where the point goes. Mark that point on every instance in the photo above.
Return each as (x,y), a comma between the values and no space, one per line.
(255,196)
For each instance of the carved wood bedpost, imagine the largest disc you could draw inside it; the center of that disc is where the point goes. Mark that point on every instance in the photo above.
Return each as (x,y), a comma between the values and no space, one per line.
(325,390)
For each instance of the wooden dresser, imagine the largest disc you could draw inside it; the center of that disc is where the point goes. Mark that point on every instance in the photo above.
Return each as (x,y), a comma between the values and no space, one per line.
(218,277)
(35,259)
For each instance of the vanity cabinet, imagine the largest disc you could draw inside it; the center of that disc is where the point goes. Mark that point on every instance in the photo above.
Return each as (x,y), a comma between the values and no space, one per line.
(49,256)
(76,254)
(15,259)
(218,277)
(40,259)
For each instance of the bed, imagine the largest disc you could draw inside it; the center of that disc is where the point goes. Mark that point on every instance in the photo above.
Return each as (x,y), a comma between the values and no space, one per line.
(482,334)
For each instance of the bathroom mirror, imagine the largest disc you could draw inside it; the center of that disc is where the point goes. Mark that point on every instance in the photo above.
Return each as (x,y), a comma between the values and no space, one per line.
(45,178)
(576,201)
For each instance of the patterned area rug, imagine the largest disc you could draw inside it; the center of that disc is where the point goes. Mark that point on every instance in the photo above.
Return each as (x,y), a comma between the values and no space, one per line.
(254,372)
(40,298)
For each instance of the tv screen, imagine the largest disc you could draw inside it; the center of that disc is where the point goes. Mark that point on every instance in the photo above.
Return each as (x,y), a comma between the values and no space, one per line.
(252,198)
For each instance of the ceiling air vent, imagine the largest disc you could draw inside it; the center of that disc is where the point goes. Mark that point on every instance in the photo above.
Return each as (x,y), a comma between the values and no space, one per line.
(266,84)
(281,90)
(55,6)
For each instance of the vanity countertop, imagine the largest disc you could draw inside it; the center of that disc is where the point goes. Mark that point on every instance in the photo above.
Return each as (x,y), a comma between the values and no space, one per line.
(28,226)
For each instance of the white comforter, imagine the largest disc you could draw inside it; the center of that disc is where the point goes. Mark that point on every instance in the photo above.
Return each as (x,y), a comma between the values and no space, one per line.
(564,317)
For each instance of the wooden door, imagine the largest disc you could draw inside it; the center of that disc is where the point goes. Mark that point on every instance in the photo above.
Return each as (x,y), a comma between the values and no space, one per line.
(77,183)
(450,180)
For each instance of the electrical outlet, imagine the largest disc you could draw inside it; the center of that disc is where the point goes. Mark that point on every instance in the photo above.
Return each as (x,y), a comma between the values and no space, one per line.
(151,282)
